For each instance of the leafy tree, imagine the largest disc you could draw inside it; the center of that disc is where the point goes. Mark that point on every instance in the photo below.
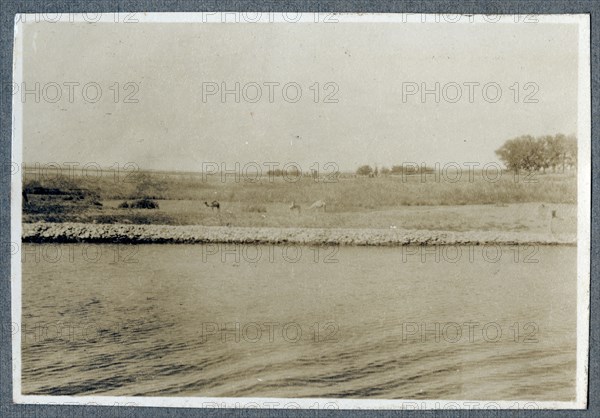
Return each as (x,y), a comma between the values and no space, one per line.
(537,154)
(555,149)
(570,152)
(364,170)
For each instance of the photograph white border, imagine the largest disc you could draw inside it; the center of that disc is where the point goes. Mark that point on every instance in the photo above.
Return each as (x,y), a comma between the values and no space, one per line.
(583,214)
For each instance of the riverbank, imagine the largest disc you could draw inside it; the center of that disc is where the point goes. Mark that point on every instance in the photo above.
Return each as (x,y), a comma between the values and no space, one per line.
(407,203)
(170,234)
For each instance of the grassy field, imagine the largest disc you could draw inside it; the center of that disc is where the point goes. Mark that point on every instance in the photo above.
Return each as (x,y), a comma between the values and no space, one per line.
(409,202)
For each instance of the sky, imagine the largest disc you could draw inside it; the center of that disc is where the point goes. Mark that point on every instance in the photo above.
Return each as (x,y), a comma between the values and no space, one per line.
(368,118)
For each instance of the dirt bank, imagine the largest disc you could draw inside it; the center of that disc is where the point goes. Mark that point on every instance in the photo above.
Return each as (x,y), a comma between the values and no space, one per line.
(147,234)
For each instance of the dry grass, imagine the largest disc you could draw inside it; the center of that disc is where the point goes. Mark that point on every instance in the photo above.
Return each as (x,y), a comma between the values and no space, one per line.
(346,193)
(351,201)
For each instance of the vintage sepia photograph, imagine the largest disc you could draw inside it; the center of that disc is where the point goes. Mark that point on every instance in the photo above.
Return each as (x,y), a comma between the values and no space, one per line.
(301,210)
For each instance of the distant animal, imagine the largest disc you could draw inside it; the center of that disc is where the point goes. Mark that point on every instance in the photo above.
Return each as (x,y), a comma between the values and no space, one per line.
(548,215)
(319,204)
(294,206)
(545,211)
(214,204)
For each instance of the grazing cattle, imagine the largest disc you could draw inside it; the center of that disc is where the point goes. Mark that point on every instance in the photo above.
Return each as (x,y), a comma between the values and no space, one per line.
(294,207)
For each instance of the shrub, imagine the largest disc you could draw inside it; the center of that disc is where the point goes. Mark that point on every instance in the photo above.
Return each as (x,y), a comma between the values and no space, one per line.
(144,203)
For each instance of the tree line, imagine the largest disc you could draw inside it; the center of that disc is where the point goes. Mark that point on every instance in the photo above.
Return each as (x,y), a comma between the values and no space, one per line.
(539,153)
(367,170)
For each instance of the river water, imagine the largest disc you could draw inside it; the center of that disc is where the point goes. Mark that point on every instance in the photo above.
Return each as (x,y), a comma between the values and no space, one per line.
(493,323)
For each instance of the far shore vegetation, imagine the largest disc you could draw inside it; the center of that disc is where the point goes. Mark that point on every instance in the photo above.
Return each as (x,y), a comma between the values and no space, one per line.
(539,169)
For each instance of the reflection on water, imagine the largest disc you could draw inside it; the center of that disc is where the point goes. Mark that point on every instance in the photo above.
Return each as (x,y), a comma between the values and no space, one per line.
(263,321)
